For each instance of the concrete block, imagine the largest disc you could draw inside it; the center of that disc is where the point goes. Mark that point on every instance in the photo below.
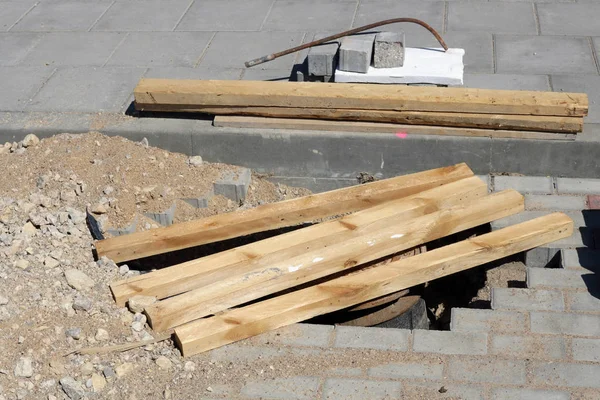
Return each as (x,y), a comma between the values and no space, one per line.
(544,347)
(323,60)
(446,342)
(51,16)
(569,19)
(299,335)
(494,17)
(507,82)
(565,324)
(310,15)
(528,394)
(124,231)
(555,278)
(296,387)
(524,184)
(472,320)
(15,46)
(527,300)
(215,15)
(388,51)
(586,349)
(566,375)
(360,389)
(487,370)
(581,259)
(197,202)
(143,15)
(234,185)
(583,301)
(423,370)
(164,218)
(19,84)
(578,186)
(541,257)
(356,53)
(345,371)
(372,338)
(554,203)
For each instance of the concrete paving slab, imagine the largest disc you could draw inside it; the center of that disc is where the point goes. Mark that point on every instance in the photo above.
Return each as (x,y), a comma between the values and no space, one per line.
(231,15)
(51,16)
(589,84)
(507,81)
(193,73)
(259,74)
(143,15)
(291,15)
(359,389)
(161,49)
(569,19)
(16,45)
(19,84)
(544,55)
(494,17)
(73,49)
(87,89)
(12,11)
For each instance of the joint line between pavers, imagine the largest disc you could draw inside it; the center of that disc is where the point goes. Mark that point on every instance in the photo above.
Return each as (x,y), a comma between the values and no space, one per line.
(115,50)
(320,388)
(183,15)
(355,13)
(297,55)
(445,19)
(536,17)
(266,16)
(23,16)
(494,58)
(44,83)
(594,54)
(101,15)
(205,49)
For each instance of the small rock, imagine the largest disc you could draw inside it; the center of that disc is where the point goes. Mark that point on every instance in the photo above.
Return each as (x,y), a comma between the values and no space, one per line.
(98,383)
(24,367)
(124,369)
(74,333)
(108,373)
(73,389)
(78,280)
(189,366)
(137,326)
(22,264)
(101,335)
(50,263)
(123,269)
(21,340)
(144,142)
(52,397)
(99,209)
(68,195)
(138,303)
(3,300)
(163,362)
(29,229)
(195,161)
(87,368)
(49,384)
(30,140)
(82,304)
(105,262)
(108,190)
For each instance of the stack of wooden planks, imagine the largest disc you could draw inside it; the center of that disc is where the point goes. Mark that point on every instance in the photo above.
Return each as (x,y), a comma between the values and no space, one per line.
(327,266)
(371,107)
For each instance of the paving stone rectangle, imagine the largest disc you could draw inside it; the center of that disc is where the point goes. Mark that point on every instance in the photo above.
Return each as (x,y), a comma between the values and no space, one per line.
(446,342)
(544,347)
(423,370)
(11,11)
(580,219)
(345,371)
(555,278)
(143,15)
(524,184)
(472,320)
(506,81)
(584,301)
(237,353)
(431,390)
(491,17)
(490,370)
(566,375)
(372,338)
(554,202)
(255,74)
(299,335)
(527,299)
(544,55)
(193,73)
(16,45)
(19,84)
(528,394)
(589,84)
(581,259)
(311,15)
(565,323)
(579,186)
(569,19)
(359,389)
(297,387)
(67,15)
(586,349)
(231,15)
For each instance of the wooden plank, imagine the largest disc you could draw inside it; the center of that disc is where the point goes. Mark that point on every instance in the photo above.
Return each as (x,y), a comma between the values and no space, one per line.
(336,294)
(230,121)
(274,215)
(464,120)
(245,282)
(356,96)
(192,274)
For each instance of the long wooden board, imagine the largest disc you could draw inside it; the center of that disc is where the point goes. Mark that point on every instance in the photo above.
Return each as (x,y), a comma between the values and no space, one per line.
(461,120)
(339,293)
(233,121)
(274,215)
(240,284)
(193,274)
(356,96)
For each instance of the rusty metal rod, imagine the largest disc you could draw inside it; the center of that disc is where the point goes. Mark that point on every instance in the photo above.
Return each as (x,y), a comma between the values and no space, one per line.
(273,56)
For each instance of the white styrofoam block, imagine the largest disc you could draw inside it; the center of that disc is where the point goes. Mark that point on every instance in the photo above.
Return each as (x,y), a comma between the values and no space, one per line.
(421,65)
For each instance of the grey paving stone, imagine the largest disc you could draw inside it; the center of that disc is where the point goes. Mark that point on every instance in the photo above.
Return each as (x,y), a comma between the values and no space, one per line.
(591,132)
(258,74)
(555,278)
(580,186)
(87,89)
(589,84)
(232,49)
(160,49)
(506,81)
(544,347)
(73,49)
(492,17)
(193,73)
(236,353)
(472,320)
(297,387)
(16,45)
(567,324)
(388,50)
(528,394)
(322,60)
(584,301)
(431,390)
(446,342)
(423,370)
(51,16)
(524,184)
(371,338)
(19,84)
(543,55)
(540,257)
(12,11)
(487,370)
(356,53)
(554,203)
(569,19)
(586,349)
(345,371)
(359,389)
(577,216)
(566,375)
(231,15)
(143,15)
(527,299)
(299,335)
(582,259)
(311,15)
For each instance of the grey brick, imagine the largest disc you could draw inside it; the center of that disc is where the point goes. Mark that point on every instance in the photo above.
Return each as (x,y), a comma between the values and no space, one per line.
(290,15)
(562,323)
(545,347)
(569,19)
(388,50)
(446,342)
(581,259)
(360,389)
(528,394)
(579,186)
(143,15)
(234,185)
(524,184)
(543,55)
(19,84)
(507,81)
(73,49)
(299,335)
(466,319)
(51,16)
(231,15)
(15,46)
(297,387)
(423,370)
(193,73)
(431,390)
(586,349)
(355,53)
(567,375)
(491,17)
(589,84)
(584,301)
(527,299)
(555,278)
(372,338)
(345,371)
(487,370)
(322,60)
(585,218)
(554,203)
(11,11)
(540,257)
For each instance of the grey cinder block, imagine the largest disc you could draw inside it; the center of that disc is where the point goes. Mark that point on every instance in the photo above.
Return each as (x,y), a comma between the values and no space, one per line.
(164,218)
(234,185)
(322,60)
(472,320)
(565,324)
(197,202)
(389,50)
(565,374)
(356,53)
(527,299)
(372,338)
